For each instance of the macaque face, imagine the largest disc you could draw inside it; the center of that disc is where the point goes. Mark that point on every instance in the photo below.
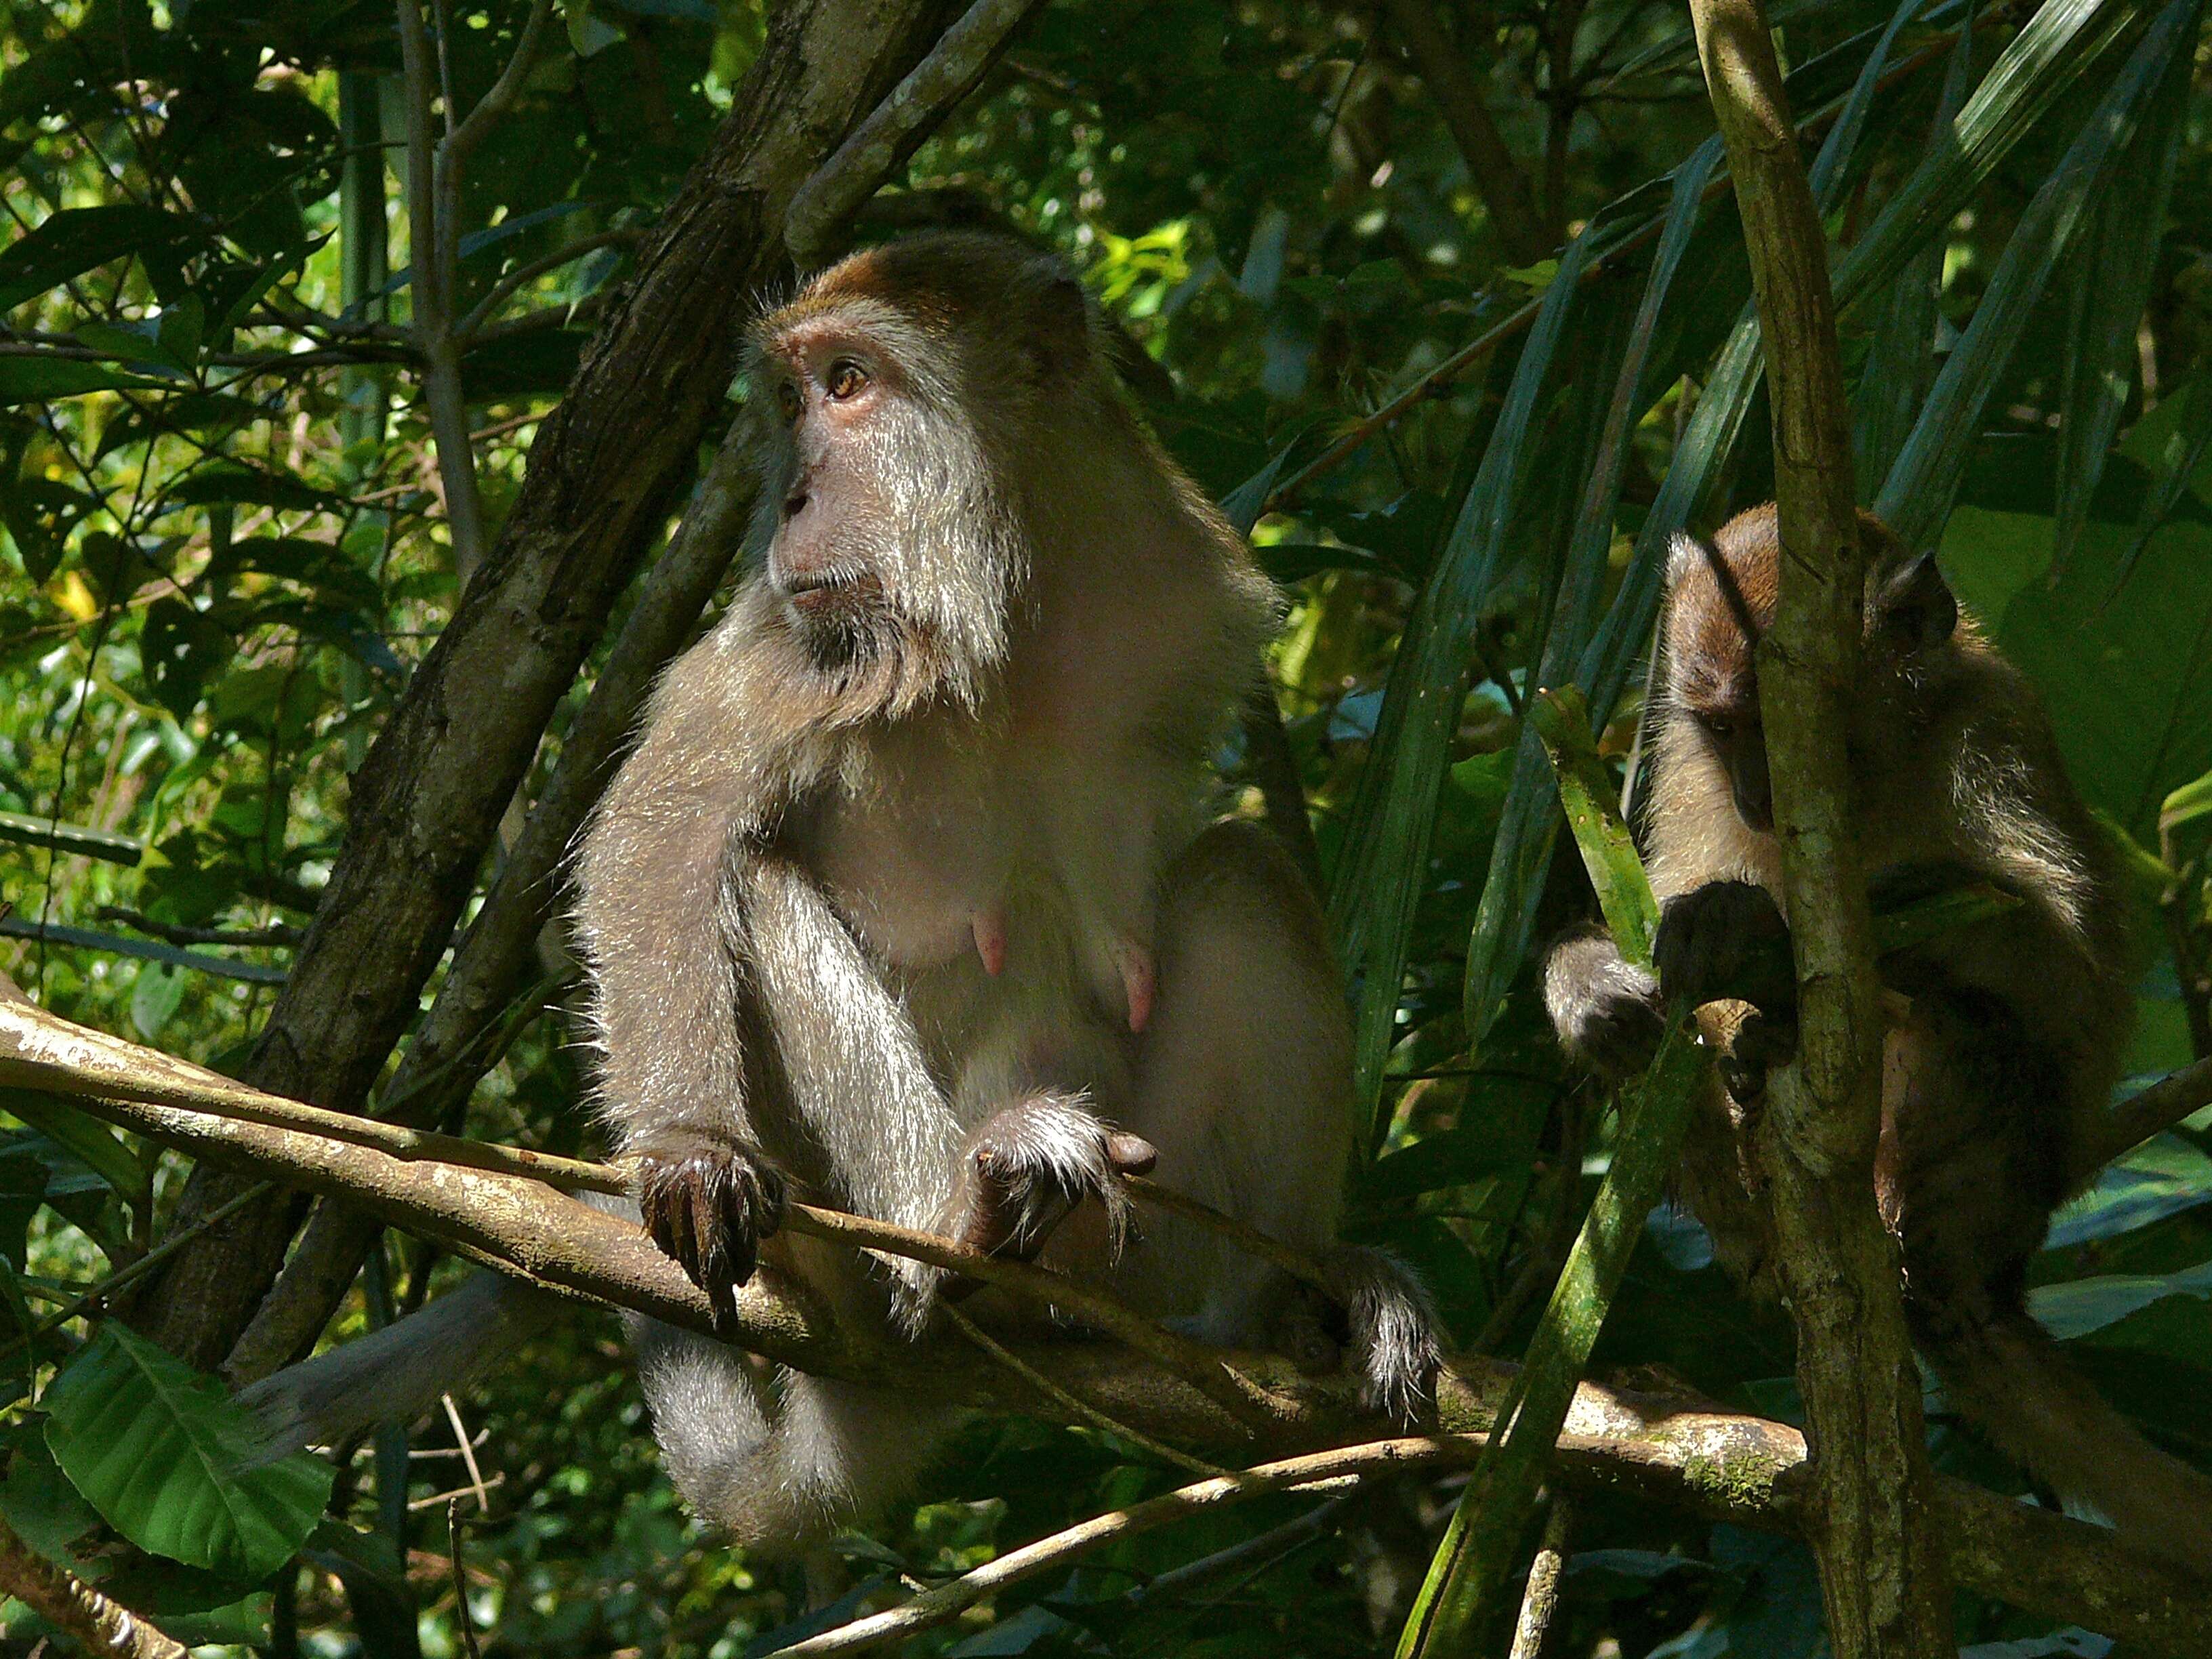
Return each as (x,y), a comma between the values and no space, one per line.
(828,559)
(1730,726)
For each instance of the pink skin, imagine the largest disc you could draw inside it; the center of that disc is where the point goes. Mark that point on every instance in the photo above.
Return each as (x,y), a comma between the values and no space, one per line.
(1139,980)
(989,926)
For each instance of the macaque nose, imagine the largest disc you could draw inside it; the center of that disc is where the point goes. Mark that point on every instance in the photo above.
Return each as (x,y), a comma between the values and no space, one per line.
(795,504)
(1754,800)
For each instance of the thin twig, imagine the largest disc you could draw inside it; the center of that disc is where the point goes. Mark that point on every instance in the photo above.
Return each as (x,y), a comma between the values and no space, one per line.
(1346,1464)
(513,283)
(468,1452)
(1073,1404)
(278,937)
(461,1619)
(1541,1599)
(1247,1237)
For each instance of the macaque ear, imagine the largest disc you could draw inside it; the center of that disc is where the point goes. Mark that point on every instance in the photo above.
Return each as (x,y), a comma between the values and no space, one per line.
(1686,554)
(1059,321)
(1916,608)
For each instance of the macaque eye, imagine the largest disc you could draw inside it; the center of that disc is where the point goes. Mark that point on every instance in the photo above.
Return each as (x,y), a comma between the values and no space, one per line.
(845,379)
(1720,725)
(789,401)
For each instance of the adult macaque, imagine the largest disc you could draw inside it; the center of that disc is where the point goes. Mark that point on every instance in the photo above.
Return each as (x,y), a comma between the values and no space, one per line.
(905,900)
(2003,1036)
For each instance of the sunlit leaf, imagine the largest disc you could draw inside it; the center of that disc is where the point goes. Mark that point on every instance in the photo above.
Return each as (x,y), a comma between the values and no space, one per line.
(161,1452)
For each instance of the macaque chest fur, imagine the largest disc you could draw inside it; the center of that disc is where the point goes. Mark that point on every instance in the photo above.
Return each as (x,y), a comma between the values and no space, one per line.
(906,902)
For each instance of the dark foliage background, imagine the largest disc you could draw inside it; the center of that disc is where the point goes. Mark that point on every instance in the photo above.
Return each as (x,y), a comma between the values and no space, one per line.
(227,549)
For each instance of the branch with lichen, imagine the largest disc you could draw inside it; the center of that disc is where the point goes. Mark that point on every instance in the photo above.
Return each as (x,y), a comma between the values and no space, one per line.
(510,1209)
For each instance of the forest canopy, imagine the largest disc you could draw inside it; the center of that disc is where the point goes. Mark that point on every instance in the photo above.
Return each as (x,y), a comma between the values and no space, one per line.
(371,404)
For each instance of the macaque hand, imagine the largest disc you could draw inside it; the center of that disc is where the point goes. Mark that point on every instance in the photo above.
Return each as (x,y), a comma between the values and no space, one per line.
(1033,1163)
(708,1201)
(1727,940)
(1608,1012)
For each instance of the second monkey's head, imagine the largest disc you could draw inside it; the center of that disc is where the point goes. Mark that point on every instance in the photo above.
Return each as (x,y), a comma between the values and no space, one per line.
(916,397)
(1720,602)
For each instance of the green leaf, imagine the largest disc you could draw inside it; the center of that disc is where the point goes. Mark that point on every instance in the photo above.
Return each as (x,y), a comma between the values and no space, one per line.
(180,649)
(1394,813)
(67,244)
(154,997)
(236,481)
(161,1451)
(71,1127)
(2112,283)
(1917,497)
(1624,894)
(2126,679)
(1900,361)
(2090,1304)
(2183,437)
(37,379)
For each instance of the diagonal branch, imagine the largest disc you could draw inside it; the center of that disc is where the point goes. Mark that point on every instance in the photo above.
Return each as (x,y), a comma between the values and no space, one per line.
(604,470)
(1674,1450)
(1491,169)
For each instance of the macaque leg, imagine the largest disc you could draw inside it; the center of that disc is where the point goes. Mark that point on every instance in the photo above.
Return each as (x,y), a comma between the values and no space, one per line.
(776,1466)
(1243,1083)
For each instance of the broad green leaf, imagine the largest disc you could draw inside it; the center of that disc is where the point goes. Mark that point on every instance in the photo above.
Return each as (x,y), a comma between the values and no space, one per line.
(236,481)
(180,648)
(161,1452)
(2090,1304)
(67,244)
(41,380)
(2126,677)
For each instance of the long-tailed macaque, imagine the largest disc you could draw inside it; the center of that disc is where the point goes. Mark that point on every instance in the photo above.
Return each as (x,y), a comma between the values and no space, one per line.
(905,900)
(2003,1036)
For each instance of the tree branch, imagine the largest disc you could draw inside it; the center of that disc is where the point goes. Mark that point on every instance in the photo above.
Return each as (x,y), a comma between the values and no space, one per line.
(861,164)
(68,1603)
(1881,1561)
(603,469)
(1667,1448)
(1490,169)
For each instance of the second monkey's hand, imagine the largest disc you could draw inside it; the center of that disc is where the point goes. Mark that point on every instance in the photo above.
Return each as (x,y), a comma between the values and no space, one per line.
(1030,1165)
(708,1201)
(1726,939)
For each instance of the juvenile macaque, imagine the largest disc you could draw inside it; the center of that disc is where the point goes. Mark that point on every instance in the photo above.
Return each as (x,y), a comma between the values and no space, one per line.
(2003,1035)
(905,902)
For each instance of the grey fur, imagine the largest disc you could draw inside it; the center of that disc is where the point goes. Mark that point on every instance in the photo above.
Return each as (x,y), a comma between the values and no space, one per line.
(911,846)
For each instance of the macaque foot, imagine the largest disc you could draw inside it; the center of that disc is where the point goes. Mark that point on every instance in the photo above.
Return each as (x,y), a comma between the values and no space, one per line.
(1726,939)
(708,1201)
(1033,1163)
(1608,1012)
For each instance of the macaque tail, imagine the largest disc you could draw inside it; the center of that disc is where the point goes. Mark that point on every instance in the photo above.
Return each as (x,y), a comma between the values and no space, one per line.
(1393,1330)
(395,1375)
(2010,1379)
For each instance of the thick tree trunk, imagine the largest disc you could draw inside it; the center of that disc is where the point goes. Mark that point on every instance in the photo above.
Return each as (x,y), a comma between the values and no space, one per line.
(603,473)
